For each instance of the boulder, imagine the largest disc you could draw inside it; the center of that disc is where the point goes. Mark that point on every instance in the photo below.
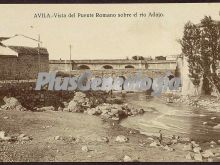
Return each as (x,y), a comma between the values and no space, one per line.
(189,156)
(210,160)
(184,139)
(217,126)
(150,139)
(168,148)
(197,149)
(194,144)
(127,158)
(85,149)
(154,144)
(121,139)
(114,111)
(207,154)
(4,137)
(73,107)
(188,147)
(212,142)
(93,111)
(103,139)
(198,157)
(12,103)
(60,109)
(57,137)
(23,137)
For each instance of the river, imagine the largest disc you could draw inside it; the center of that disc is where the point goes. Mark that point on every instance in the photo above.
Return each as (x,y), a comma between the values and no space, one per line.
(172,119)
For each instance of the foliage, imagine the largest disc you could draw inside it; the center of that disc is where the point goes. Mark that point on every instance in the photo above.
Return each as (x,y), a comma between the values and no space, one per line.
(201,45)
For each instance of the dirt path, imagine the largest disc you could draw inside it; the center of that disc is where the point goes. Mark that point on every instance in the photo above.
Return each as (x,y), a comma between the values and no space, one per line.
(87,130)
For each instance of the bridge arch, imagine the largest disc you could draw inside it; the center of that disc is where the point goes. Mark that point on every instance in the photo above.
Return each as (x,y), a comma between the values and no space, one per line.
(129,66)
(81,67)
(107,67)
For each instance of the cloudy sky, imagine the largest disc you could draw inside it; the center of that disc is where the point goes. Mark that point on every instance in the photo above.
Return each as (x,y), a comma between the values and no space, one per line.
(102,38)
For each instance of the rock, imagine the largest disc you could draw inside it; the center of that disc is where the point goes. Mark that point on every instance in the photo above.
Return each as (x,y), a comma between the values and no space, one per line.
(188,147)
(184,139)
(23,137)
(212,118)
(207,154)
(85,149)
(154,144)
(212,146)
(65,104)
(218,141)
(127,159)
(168,148)
(194,144)
(57,138)
(150,138)
(66,110)
(210,160)
(115,118)
(132,132)
(212,142)
(121,139)
(189,156)
(103,139)
(6,117)
(198,157)
(79,103)
(93,111)
(197,149)
(49,108)
(12,103)
(217,126)
(4,137)
(60,109)
(114,111)
(204,123)
(73,107)
(174,141)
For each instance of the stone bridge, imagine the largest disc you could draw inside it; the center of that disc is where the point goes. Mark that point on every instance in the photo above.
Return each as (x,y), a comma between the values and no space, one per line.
(116,64)
(125,73)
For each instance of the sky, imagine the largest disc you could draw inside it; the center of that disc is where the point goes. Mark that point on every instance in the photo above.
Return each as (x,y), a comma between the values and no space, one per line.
(103,38)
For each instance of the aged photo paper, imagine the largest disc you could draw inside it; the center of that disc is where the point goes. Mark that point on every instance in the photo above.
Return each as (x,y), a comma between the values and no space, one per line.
(110,82)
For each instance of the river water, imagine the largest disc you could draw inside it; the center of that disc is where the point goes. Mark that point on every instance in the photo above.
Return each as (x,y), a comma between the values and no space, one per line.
(172,119)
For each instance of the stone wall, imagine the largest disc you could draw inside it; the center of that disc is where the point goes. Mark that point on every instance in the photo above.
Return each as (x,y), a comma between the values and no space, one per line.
(29,98)
(22,67)
(8,67)
(28,66)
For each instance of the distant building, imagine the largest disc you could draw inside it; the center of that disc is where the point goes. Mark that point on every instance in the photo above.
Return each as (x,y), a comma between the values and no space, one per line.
(22,62)
(172,57)
(160,58)
(148,58)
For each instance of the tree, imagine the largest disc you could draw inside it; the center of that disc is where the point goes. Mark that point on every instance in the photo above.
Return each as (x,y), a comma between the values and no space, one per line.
(137,57)
(210,52)
(191,47)
(201,45)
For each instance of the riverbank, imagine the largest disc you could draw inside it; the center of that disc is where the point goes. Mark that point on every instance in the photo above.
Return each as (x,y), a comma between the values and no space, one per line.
(63,136)
(66,135)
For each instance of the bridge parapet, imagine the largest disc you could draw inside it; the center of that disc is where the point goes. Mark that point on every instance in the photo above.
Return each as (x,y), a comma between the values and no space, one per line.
(118,72)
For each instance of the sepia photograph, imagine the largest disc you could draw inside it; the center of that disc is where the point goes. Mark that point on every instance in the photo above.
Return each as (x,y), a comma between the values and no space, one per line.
(110,82)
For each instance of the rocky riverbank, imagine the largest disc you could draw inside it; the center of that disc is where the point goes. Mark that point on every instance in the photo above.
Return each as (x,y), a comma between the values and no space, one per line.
(78,131)
(209,103)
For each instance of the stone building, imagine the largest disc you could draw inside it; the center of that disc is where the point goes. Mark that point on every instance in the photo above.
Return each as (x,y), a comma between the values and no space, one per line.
(22,62)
